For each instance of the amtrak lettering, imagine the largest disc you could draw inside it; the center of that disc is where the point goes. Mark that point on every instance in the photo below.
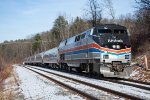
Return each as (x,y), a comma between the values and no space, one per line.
(114,40)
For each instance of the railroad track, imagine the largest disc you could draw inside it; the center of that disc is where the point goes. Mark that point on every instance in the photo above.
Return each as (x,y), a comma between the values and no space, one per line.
(140,85)
(66,86)
(129,82)
(133,83)
(124,95)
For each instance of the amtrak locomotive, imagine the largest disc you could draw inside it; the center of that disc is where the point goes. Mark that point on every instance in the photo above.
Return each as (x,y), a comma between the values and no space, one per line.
(104,50)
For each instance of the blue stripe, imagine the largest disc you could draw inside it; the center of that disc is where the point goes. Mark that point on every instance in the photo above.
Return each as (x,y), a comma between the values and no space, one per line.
(118,54)
(95,50)
(84,51)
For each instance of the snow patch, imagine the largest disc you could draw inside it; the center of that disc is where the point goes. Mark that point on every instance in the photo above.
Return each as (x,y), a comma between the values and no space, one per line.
(33,87)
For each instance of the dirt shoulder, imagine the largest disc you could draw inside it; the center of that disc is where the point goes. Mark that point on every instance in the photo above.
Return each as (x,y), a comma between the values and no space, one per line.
(10,88)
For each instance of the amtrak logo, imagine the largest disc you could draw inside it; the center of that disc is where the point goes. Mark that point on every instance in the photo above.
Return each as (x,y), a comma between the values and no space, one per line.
(115,40)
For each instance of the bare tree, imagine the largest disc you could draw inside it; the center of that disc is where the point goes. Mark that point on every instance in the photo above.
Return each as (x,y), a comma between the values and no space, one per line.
(109,6)
(95,11)
(143,4)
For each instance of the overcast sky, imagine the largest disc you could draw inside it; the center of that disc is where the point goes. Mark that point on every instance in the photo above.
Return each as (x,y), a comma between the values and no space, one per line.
(21,18)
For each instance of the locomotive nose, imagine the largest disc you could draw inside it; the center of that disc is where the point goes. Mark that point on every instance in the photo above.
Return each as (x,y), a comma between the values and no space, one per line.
(115,64)
(109,57)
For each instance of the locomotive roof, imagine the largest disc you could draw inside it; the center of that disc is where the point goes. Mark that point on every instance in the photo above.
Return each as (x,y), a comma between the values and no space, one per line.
(110,26)
(104,26)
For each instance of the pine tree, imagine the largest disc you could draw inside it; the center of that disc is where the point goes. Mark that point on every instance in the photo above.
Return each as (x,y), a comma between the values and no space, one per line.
(36,45)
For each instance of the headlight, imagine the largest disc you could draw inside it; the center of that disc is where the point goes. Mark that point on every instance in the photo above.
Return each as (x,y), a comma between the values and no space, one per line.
(106,56)
(126,56)
(116,46)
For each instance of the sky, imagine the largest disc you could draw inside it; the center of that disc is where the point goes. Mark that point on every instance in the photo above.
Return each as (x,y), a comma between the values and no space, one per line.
(21,19)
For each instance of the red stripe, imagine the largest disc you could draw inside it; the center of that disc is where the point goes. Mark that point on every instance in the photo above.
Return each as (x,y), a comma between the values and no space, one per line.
(76,48)
(95,45)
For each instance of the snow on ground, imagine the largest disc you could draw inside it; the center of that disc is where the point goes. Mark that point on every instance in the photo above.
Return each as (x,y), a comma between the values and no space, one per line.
(144,94)
(35,87)
(86,89)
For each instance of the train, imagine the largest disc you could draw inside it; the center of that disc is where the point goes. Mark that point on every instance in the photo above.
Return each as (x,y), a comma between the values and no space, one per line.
(104,50)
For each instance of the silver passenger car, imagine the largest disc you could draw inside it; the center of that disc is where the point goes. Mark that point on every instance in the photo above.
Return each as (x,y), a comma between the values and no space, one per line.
(51,57)
(38,59)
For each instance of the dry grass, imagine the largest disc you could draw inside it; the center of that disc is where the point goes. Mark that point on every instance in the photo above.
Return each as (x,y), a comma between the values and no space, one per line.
(141,74)
(5,72)
(7,95)
(145,50)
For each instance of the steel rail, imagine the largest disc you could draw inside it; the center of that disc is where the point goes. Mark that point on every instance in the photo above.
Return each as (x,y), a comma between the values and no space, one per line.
(131,80)
(129,84)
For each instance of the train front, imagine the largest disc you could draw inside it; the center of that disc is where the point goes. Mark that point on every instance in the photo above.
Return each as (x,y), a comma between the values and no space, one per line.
(115,50)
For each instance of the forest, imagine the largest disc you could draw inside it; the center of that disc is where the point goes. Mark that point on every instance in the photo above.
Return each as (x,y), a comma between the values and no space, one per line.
(15,51)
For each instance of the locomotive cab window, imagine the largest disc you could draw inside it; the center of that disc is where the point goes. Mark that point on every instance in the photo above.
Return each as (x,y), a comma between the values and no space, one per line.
(119,31)
(104,31)
(77,38)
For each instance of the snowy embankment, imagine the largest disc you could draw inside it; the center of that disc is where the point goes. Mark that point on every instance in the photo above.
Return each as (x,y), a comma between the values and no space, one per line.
(140,74)
(144,94)
(34,87)
(141,68)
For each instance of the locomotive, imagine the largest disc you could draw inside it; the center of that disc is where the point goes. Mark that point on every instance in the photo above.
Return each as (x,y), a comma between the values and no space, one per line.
(104,50)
